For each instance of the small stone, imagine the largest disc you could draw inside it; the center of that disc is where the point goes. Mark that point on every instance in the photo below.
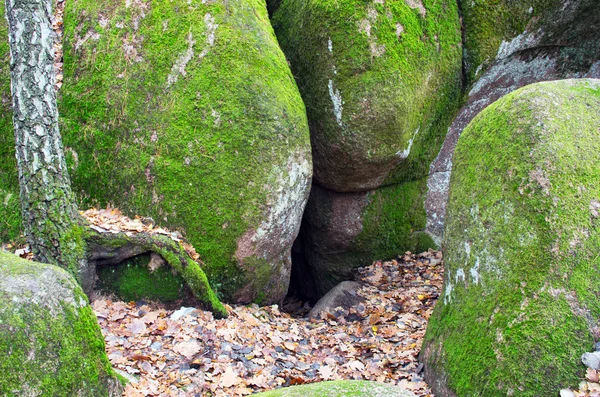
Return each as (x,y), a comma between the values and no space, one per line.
(591,360)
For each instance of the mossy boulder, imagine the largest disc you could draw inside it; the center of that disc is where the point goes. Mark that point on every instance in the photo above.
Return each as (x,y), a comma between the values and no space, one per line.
(50,342)
(342,231)
(520,302)
(340,388)
(380,80)
(186,112)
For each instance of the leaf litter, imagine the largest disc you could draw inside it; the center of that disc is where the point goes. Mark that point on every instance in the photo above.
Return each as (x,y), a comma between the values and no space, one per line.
(188,353)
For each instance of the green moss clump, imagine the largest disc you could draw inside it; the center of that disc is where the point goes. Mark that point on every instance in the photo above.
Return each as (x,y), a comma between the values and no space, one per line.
(10,206)
(132,280)
(340,388)
(50,341)
(520,302)
(380,80)
(185,111)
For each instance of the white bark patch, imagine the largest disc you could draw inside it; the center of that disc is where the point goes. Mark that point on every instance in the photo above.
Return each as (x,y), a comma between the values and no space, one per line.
(336,99)
(179,66)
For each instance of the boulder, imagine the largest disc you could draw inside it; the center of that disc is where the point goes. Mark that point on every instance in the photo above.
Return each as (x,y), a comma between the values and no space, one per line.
(340,388)
(186,112)
(50,342)
(509,44)
(380,80)
(343,295)
(519,304)
(342,231)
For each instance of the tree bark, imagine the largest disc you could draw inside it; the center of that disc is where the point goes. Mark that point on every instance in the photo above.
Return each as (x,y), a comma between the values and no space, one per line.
(53,226)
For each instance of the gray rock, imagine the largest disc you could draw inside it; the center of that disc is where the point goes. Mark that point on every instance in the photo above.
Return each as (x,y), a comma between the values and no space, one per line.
(560,44)
(50,341)
(591,360)
(343,295)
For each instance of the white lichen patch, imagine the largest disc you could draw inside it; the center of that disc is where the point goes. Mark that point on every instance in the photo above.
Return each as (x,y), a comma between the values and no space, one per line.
(336,100)
(403,154)
(365,26)
(417,4)
(178,68)
(330,46)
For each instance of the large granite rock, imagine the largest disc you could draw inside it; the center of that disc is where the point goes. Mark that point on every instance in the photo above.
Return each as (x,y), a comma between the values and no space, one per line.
(380,80)
(50,342)
(509,44)
(186,111)
(342,231)
(519,304)
(343,388)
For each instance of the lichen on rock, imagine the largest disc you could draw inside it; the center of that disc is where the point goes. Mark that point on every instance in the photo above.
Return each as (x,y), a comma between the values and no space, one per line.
(520,243)
(50,341)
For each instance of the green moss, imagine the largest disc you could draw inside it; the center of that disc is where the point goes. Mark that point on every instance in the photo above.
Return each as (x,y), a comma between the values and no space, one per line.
(132,280)
(396,71)
(394,221)
(195,154)
(520,246)
(343,388)
(10,206)
(74,248)
(50,341)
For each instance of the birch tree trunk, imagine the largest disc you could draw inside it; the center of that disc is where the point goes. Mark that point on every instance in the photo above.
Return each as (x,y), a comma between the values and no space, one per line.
(53,226)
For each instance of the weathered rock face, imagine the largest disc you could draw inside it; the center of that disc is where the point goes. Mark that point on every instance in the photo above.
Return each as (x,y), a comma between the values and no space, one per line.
(187,112)
(339,389)
(378,78)
(50,341)
(342,231)
(521,247)
(534,41)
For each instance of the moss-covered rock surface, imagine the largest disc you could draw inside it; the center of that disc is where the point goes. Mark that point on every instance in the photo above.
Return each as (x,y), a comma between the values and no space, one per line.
(134,279)
(50,342)
(342,231)
(342,388)
(381,81)
(186,111)
(520,302)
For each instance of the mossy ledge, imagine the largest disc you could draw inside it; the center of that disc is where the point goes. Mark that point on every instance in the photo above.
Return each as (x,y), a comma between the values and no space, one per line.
(520,302)
(50,342)
(112,248)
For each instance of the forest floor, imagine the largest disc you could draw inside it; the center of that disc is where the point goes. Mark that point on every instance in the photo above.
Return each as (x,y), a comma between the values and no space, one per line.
(187,352)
